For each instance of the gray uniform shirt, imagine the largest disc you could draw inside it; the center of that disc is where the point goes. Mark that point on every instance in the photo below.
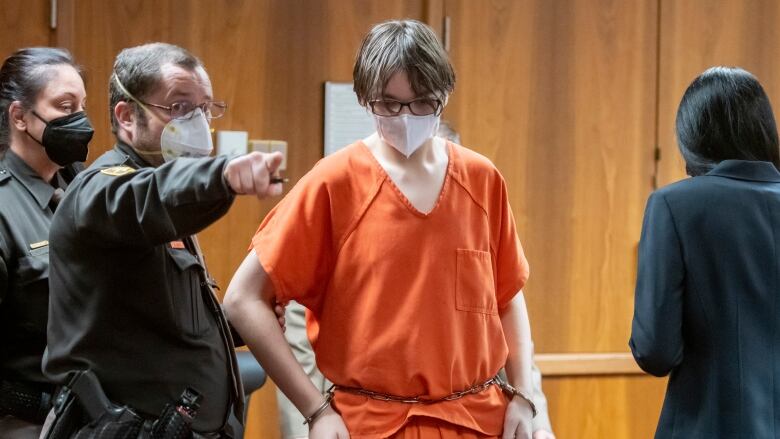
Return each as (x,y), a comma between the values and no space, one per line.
(127,299)
(26,208)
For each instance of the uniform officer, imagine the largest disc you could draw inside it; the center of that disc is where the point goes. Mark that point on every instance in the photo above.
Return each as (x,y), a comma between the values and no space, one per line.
(44,133)
(130,297)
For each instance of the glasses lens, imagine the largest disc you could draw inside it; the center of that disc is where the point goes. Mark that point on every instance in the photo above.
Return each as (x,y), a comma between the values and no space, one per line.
(424,107)
(215,110)
(386,108)
(181,110)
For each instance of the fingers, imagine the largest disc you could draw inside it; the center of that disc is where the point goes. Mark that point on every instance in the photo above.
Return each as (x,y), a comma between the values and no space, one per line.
(246,179)
(279,311)
(251,174)
(259,175)
(273,161)
(274,190)
(515,428)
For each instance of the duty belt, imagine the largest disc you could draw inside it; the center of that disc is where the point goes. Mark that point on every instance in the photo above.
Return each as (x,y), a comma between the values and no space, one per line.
(28,401)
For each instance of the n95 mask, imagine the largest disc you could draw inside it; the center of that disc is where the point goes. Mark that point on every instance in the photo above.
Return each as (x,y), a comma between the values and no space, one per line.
(406,132)
(187,137)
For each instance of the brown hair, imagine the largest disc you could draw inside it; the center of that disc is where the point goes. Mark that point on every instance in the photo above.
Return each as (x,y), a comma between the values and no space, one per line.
(402,45)
(139,69)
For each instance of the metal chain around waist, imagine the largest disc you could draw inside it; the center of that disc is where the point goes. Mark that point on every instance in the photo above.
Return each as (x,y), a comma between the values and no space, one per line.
(417,399)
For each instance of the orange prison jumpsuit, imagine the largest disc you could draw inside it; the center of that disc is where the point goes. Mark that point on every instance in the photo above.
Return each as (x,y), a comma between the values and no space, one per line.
(407,303)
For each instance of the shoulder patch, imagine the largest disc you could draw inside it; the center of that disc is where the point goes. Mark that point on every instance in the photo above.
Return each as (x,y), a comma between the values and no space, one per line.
(116,171)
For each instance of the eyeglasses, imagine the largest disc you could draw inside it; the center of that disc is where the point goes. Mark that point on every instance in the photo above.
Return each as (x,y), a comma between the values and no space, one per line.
(185,109)
(418,107)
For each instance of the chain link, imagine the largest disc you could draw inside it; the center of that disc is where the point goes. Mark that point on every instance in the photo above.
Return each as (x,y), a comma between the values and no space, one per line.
(417,399)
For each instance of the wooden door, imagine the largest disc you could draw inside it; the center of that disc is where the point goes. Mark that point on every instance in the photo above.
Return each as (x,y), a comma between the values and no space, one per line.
(561,97)
(24,24)
(698,34)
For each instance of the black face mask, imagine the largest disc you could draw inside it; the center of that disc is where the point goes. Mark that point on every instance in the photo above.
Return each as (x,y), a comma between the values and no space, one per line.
(65,138)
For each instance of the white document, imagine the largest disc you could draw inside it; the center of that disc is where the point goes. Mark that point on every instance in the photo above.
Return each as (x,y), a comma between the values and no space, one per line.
(232,143)
(345,120)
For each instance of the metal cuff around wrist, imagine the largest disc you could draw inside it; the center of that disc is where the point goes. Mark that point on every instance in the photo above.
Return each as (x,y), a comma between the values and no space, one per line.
(321,409)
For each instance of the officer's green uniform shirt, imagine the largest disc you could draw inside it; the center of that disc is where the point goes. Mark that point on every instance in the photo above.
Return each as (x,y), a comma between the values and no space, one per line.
(25,217)
(128,304)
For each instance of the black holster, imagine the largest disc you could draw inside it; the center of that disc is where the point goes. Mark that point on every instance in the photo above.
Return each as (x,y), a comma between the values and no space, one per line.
(84,412)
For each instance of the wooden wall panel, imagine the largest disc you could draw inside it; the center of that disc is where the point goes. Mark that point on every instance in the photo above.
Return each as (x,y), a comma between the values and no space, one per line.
(23,24)
(601,407)
(561,96)
(698,34)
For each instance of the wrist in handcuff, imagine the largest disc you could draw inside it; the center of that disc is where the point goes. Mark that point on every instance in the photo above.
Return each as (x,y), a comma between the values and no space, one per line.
(320,410)
(512,392)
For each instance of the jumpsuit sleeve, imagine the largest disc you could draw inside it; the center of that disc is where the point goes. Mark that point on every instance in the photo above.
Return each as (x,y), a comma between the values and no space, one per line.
(295,243)
(511,266)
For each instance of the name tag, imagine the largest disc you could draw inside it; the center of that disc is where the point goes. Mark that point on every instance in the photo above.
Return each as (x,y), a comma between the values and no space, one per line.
(177,244)
(40,244)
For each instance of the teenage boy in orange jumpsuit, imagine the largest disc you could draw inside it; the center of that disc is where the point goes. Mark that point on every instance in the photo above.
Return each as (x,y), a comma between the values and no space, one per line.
(404,248)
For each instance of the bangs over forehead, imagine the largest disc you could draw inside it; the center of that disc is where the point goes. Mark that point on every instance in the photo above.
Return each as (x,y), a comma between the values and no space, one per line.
(402,45)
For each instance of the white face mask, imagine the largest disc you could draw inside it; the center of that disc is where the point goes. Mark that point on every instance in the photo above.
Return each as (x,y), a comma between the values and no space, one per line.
(189,137)
(406,132)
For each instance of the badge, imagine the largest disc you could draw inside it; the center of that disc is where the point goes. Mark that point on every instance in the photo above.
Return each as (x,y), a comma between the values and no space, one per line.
(40,244)
(116,171)
(177,244)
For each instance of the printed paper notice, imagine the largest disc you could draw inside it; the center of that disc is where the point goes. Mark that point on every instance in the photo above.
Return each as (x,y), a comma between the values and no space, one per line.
(345,120)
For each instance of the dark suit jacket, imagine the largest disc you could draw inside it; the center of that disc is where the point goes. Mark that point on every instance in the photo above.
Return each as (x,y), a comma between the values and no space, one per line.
(707,308)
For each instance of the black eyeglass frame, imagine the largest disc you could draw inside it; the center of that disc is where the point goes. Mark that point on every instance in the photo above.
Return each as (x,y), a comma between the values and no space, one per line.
(438,106)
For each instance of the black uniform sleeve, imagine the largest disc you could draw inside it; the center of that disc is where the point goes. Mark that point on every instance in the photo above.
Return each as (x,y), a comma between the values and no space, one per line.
(3,279)
(148,206)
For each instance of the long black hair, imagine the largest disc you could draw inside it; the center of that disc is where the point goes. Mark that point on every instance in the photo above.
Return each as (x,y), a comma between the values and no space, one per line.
(22,77)
(725,114)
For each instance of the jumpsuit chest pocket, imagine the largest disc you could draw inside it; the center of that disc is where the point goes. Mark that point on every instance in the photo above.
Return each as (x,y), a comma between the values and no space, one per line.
(474,286)
(189,308)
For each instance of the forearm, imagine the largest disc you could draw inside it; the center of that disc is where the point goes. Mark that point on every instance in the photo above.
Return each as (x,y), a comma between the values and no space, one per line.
(253,317)
(517,331)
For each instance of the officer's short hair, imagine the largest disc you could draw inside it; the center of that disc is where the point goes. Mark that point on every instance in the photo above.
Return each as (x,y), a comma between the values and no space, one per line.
(139,69)
(23,76)
(402,45)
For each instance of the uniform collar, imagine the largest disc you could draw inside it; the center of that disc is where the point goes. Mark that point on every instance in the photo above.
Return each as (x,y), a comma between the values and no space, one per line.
(133,159)
(39,189)
(746,170)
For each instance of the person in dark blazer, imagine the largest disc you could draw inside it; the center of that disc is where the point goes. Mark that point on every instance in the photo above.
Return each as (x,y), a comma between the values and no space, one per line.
(707,310)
